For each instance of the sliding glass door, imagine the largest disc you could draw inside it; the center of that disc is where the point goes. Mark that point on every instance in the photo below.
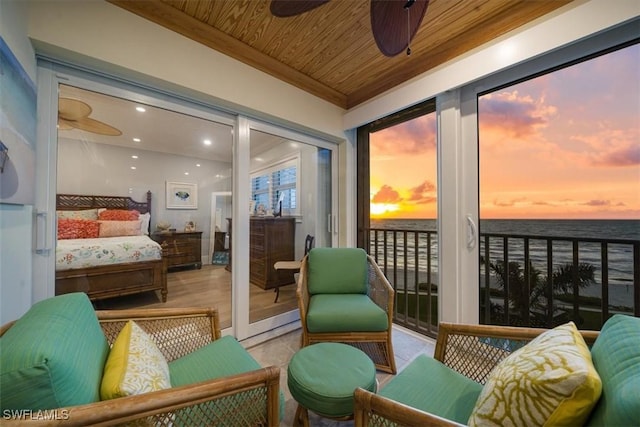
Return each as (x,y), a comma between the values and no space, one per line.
(290,195)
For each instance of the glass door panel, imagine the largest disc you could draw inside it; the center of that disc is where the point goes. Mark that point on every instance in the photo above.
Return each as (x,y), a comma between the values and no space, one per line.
(167,155)
(290,199)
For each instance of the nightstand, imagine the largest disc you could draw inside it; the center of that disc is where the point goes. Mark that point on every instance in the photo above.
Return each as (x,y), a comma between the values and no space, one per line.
(181,248)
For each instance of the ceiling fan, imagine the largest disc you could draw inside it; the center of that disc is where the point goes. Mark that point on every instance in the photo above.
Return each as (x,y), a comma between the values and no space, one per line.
(393,22)
(74,114)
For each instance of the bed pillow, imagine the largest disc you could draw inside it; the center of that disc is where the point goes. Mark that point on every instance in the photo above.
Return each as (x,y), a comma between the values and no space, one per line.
(135,365)
(119,228)
(144,223)
(82,214)
(69,228)
(549,382)
(118,215)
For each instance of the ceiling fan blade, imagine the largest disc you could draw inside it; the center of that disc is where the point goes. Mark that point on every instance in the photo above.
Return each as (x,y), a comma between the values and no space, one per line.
(391,27)
(95,126)
(64,124)
(73,109)
(287,8)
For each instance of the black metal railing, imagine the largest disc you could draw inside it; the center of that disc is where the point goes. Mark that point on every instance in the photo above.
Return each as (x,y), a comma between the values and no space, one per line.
(525,280)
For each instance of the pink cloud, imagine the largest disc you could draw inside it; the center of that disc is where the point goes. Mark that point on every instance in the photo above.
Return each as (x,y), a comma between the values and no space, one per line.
(416,136)
(423,193)
(513,115)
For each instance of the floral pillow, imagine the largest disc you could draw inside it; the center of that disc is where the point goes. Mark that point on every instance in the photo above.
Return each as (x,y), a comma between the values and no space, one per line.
(69,228)
(119,228)
(118,215)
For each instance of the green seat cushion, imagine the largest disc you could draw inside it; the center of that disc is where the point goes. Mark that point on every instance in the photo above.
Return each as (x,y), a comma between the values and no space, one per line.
(428,385)
(337,271)
(221,358)
(53,356)
(322,377)
(616,356)
(345,313)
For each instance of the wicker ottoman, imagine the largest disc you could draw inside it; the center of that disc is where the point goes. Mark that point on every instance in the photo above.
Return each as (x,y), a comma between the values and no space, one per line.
(322,378)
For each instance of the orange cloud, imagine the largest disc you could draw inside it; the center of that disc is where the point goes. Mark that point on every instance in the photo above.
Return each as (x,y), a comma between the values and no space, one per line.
(386,194)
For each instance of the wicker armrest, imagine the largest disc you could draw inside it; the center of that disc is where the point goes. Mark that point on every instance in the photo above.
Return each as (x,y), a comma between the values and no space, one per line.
(247,399)
(373,410)
(474,350)
(380,290)
(176,331)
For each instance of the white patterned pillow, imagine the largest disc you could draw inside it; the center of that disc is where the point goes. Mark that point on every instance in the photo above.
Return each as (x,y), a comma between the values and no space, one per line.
(135,365)
(549,382)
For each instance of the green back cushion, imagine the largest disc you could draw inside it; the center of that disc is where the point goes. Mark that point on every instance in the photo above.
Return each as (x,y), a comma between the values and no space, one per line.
(337,271)
(53,356)
(430,386)
(616,356)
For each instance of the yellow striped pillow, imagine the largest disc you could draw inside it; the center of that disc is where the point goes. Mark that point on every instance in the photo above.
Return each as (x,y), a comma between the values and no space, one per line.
(549,382)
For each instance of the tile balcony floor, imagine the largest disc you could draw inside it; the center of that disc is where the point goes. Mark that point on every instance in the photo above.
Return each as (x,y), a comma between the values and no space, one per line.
(278,351)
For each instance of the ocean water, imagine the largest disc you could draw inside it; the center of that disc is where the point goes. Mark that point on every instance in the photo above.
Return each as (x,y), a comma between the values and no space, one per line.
(620,252)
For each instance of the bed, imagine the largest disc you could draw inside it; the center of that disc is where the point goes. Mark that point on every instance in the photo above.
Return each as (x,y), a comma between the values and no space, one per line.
(110,264)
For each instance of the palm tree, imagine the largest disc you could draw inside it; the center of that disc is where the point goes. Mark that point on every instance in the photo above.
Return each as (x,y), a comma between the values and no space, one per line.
(535,303)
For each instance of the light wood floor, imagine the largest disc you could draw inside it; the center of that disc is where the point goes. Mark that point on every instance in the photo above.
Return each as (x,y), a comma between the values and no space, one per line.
(208,287)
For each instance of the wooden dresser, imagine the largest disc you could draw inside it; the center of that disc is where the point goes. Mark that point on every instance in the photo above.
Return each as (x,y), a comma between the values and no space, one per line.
(270,240)
(181,248)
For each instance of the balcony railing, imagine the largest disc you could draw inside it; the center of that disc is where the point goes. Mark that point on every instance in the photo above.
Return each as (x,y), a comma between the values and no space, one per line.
(525,280)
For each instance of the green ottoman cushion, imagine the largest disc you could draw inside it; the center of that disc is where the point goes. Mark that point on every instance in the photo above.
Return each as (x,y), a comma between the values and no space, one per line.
(53,356)
(322,377)
(616,357)
(337,271)
(453,398)
(345,313)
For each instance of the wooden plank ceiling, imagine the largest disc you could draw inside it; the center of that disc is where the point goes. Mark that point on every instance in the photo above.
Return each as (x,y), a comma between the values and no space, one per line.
(330,51)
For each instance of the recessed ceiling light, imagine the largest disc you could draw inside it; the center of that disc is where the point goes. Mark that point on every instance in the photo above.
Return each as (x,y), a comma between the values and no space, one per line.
(134,157)
(198,164)
(141,109)
(136,140)
(186,173)
(133,167)
(207,142)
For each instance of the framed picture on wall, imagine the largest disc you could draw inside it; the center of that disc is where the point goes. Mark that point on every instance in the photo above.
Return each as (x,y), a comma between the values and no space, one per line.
(182,195)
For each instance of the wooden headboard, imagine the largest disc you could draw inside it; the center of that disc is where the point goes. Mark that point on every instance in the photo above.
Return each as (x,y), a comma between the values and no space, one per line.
(75,202)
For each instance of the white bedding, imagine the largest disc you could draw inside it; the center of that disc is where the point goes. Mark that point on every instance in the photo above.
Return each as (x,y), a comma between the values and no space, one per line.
(82,253)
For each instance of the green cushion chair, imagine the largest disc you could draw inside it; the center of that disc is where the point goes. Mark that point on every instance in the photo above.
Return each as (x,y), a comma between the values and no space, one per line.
(344,297)
(53,360)
(443,390)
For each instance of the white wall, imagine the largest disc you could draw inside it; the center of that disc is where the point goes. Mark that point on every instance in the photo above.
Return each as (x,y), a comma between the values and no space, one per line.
(16,220)
(101,169)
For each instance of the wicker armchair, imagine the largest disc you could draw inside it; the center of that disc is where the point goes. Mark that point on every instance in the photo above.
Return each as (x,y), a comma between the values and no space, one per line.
(472,350)
(246,399)
(376,344)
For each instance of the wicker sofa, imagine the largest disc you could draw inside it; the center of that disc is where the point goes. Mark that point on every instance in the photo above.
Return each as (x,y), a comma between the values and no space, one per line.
(422,394)
(53,359)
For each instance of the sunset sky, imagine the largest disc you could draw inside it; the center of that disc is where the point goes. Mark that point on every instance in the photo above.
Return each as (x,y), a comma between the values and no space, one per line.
(563,145)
